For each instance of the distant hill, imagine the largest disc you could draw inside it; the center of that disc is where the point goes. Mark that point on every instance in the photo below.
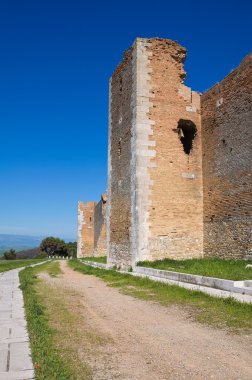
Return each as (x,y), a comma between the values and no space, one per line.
(30,253)
(18,242)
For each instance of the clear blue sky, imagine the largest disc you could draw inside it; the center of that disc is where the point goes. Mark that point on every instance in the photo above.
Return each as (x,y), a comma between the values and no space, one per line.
(55,61)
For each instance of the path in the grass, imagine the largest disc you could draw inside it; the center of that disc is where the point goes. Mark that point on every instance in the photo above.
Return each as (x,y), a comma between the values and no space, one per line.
(15,360)
(151,342)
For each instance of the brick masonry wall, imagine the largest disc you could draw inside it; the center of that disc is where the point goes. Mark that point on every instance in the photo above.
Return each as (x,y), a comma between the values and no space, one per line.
(154,187)
(227,153)
(100,243)
(119,168)
(176,197)
(85,243)
(155,180)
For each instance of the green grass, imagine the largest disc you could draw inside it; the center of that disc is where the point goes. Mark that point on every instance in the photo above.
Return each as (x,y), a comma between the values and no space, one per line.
(218,312)
(53,268)
(44,353)
(101,259)
(6,265)
(220,268)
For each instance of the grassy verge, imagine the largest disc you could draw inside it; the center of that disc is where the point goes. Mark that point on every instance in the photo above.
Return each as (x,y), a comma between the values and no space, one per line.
(102,259)
(52,268)
(13,264)
(51,327)
(227,269)
(218,312)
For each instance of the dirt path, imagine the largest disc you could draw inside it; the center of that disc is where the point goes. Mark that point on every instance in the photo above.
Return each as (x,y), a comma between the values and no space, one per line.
(147,341)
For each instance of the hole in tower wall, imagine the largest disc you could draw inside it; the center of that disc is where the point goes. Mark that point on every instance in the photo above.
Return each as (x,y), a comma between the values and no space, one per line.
(187,132)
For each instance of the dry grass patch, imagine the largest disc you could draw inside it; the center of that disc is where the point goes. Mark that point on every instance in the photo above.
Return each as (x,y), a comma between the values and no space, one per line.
(74,338)
(68,337)
(64,346)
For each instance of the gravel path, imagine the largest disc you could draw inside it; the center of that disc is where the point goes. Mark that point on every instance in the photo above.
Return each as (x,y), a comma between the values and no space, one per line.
(149,341)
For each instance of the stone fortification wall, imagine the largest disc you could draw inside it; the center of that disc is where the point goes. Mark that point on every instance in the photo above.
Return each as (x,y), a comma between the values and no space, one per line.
(155,177)
(175,202)
(100,242)
(85,243)
(227,158)
(119,163)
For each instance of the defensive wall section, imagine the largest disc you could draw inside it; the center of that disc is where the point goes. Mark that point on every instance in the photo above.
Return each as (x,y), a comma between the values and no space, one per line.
(179,163)
(92,228)
(227,161)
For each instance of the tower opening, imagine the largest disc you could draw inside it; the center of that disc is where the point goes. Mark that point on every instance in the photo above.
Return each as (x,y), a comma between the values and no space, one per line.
(187,132)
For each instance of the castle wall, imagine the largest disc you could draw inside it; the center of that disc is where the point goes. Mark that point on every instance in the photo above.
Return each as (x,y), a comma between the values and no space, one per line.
(176,195)
(85,244)
(227,152)
(170,149)
(154,186)
(119,163)
(143,150)
(100,243)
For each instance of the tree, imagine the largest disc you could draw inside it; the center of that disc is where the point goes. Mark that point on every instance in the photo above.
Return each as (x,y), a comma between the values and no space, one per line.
(71,249)
(10,255)
(53,246)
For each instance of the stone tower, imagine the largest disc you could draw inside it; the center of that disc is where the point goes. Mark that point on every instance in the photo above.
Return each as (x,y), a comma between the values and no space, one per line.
(92,228)
(85,243)
(155,191)
(100,241)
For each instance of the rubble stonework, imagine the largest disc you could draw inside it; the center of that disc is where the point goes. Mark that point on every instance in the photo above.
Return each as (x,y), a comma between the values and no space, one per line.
(92,228)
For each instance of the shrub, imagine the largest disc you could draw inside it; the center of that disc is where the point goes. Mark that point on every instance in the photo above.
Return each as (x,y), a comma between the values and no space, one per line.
(10,255)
